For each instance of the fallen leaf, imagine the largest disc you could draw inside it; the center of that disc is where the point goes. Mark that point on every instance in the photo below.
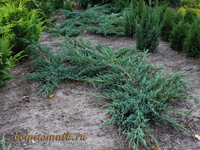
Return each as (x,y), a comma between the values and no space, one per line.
(166,44)
(20,72)
(17,61)
(102,148)
(58,96)
(156,148)
(197,137)
(77,83)
(66,93)
(51,95)
(191,124)
(26,99)
(152,141)
(176,52)
(181,123)
(99,112)
(58,38)
(156,117)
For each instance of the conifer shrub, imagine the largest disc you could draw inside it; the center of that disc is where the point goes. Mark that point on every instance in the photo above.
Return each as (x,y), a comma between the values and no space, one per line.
(179,17)
(130,21)
(178,35)
(7,62)
(192,41)
(32,4)
(103,20)
(121,4)
(58,4)
(68,6)
(190,16)
(196,11)
(188,3)
(47,8)
(162,9)
(25,23)
(139,91)
(167,24)
(85,3)
(148,30)
(191,4)
(175,3)
(139,8)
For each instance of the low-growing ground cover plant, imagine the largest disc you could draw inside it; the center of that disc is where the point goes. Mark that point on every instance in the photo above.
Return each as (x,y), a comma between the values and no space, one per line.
(139,91)
(3,144)
(102,20)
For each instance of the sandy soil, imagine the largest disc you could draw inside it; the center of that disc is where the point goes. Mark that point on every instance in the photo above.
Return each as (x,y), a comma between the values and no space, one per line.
(70,111)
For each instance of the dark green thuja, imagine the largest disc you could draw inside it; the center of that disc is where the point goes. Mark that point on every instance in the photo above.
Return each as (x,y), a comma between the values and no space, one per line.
(179,17)
(130,21)
(139,91)
(121,4)
(190,16)
(139,6)
(175,3)
(68,6)
(191,43)
(178,35)
(162,9)
(167,24)
(148,30)
(58,4)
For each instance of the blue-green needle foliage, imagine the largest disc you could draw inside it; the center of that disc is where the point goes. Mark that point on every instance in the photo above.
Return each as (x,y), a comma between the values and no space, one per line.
(99,20)
(139,91)
(3,144)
